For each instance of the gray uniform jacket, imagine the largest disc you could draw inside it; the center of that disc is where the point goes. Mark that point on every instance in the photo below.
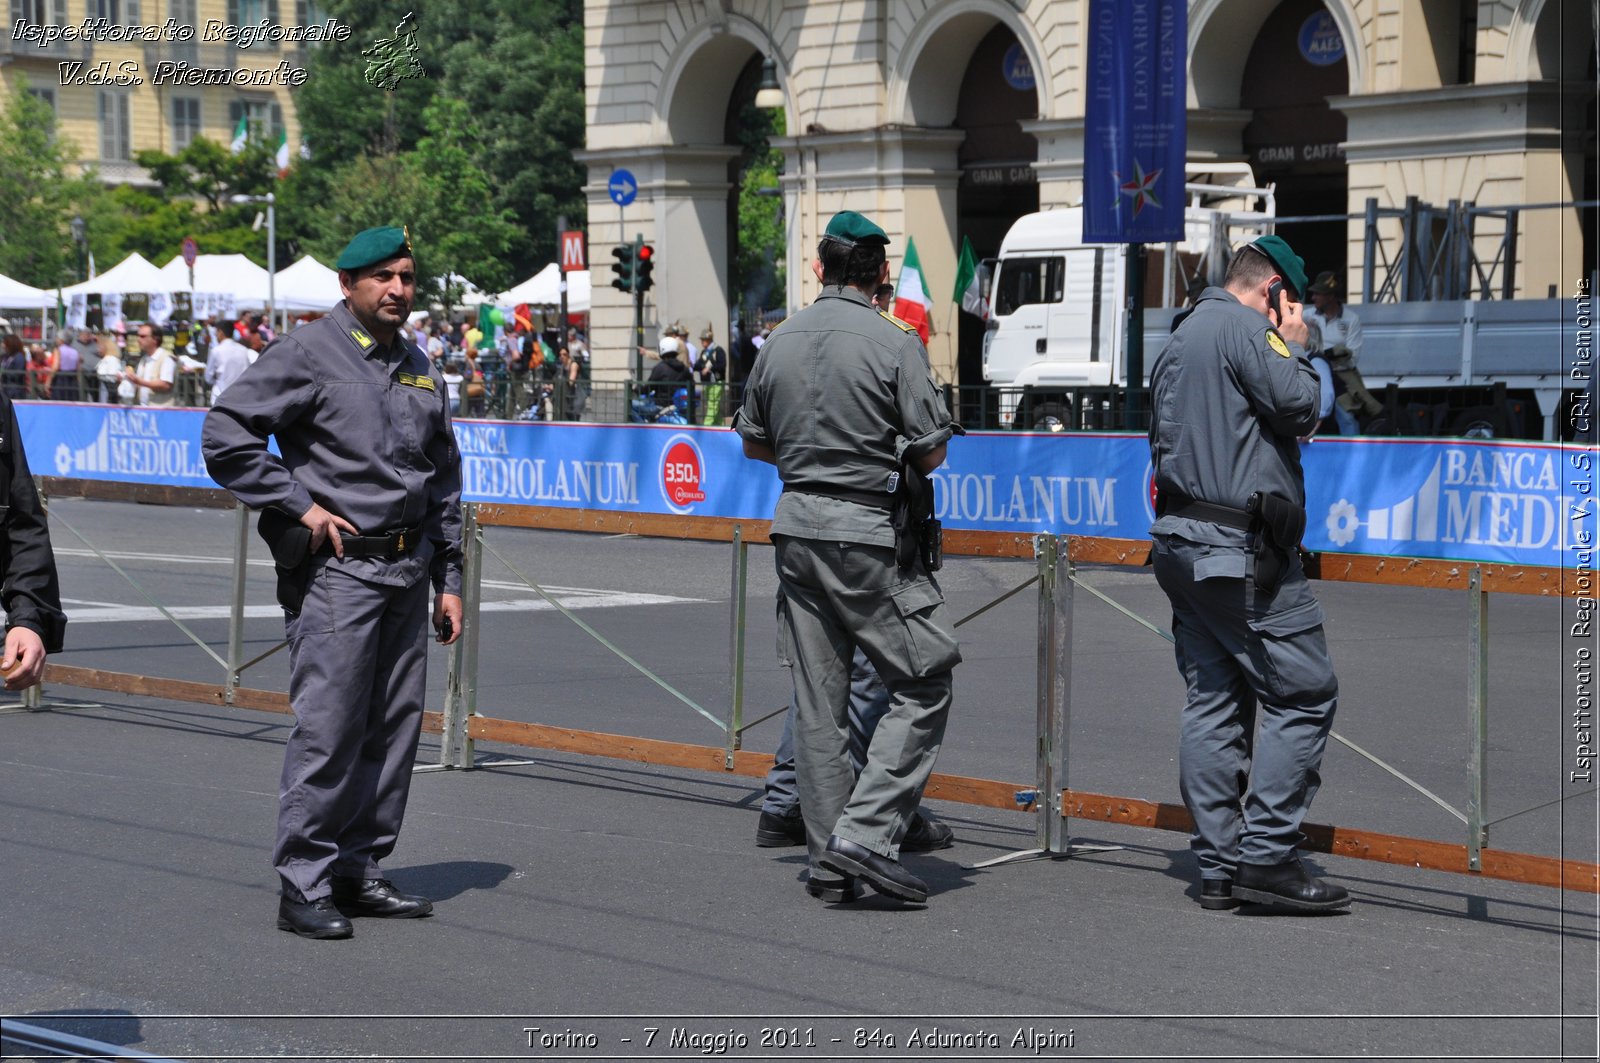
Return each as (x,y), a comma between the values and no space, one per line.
(364,431)
(843,395)
(1229,396)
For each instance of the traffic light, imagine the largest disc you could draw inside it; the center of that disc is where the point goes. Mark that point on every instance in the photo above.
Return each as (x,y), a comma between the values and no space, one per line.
(646,263)
(622,267)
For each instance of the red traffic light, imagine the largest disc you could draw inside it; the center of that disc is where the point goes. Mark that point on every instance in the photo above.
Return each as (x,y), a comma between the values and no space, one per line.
(646,253)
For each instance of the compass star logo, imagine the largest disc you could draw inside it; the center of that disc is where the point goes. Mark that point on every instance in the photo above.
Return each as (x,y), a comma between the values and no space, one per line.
(1141,189)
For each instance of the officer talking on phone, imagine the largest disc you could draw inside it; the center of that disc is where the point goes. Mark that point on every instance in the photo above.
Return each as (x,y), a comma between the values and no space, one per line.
(1230,393)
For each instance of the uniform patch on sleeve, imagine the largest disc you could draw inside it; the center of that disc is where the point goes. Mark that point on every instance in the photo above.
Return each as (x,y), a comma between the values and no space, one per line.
(905,326)
(1275,341)
(417,380)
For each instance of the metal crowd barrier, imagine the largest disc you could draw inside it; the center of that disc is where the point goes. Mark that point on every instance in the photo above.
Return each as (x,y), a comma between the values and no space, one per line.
(1058,560)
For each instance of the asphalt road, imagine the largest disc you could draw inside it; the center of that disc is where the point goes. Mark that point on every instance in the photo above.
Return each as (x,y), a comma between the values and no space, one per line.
(134,879)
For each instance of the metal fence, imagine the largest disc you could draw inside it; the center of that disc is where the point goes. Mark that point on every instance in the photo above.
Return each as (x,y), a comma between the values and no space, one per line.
(1060,572)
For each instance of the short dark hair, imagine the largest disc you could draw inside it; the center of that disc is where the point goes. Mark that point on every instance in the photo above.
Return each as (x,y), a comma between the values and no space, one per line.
(157,333)
(1249,268)
(856,266)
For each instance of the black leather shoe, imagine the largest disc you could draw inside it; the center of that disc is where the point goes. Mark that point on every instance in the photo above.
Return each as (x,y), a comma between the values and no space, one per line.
(378,897)
(925,834)
(832,890)
(882,874)
(1288,885)
(313,919)
(775,832)
(1216,894)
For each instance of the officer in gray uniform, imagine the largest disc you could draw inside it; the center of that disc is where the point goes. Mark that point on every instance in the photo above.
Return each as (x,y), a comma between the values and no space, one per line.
(1231,391)
(839,399)
(362,511)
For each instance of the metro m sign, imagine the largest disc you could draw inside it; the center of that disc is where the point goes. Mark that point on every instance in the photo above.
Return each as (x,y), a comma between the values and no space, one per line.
(572,251)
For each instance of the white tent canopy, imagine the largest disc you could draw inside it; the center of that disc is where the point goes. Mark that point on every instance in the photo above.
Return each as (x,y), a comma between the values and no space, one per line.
(133,274)
(233,275)
(544,289)
(14,295)
(307,285)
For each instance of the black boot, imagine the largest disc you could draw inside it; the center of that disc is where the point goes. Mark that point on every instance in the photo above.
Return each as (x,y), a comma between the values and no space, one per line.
(1288,885)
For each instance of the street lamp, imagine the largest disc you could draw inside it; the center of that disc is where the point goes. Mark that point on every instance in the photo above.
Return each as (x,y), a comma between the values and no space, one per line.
(272,251)
(80,239)
(768,94)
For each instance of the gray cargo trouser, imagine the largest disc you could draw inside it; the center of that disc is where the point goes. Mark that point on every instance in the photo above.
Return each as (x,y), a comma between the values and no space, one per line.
(834,597)
(1245,654)
(869,700)
(357,677)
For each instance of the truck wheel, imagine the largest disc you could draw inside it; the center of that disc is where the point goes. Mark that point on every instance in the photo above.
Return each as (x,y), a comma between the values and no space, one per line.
(1051,417)
(1477,424)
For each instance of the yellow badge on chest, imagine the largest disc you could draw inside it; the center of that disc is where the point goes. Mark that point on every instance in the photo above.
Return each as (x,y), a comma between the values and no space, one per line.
(416,380)
(361,338)
(1275,341)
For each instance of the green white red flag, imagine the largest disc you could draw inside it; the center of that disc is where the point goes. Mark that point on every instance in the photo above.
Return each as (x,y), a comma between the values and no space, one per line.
(969,293)
(911,302)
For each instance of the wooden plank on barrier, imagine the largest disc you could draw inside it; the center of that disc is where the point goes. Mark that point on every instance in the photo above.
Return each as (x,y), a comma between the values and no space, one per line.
(156,687)
(151,494)
(1358,844)
(618,747)
(656,525)
(1361,568)
(713,529)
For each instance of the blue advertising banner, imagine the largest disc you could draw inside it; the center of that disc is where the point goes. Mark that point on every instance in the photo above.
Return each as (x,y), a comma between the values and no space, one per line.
(1462,500)
(1135,132)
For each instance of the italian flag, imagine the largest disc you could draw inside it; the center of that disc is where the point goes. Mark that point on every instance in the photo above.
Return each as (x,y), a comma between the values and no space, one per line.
(911,302)
(969,293)
(283,152)
(241,135)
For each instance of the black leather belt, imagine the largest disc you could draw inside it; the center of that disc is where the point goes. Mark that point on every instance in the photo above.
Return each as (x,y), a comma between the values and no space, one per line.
(1174,505)
(874,499)
(389,545)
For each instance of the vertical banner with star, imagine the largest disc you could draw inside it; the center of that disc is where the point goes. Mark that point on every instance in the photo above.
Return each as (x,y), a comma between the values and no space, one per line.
(1134,127)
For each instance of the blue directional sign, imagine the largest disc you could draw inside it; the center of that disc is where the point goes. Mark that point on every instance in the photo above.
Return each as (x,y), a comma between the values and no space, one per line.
(623,187)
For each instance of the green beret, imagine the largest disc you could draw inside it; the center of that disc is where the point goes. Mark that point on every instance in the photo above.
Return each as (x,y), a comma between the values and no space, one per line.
(374,245)
(1291,267)
(851,228)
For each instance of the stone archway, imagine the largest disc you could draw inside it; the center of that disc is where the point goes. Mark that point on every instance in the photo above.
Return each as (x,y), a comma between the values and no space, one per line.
(976,67)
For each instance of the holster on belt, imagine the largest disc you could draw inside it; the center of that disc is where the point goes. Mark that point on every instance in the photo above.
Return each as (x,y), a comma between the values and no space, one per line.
(916,533)
(1278,526)
(290,544)
(1274,523)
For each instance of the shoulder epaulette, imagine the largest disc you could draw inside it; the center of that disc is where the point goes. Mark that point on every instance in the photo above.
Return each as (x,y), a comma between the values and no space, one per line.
(905,326)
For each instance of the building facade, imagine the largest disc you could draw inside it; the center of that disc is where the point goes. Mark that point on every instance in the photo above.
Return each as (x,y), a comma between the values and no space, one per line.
(124,76)
(951,118)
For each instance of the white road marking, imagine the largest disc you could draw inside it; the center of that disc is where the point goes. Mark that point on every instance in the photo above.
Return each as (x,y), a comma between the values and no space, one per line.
(571,598)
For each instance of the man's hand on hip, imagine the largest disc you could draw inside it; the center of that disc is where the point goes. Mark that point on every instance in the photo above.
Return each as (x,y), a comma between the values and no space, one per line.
(325,527)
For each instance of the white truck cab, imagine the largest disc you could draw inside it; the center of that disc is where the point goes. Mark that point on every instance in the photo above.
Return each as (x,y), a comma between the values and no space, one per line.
(1059,304)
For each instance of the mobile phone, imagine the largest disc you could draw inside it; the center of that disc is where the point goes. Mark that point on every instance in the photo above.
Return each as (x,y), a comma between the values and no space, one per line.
(446,630)
(1275,300)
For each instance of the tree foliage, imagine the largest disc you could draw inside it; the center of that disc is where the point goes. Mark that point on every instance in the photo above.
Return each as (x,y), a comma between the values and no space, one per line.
(435,191)
(759,275)
(515,68)
(39,194)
